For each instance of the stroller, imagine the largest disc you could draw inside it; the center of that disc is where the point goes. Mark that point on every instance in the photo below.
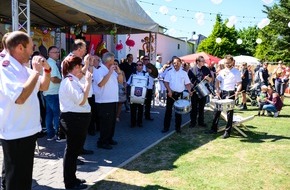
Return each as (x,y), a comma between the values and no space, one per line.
(252,94)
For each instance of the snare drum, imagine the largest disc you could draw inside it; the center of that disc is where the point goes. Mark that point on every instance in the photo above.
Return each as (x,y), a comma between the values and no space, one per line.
(224,105)
(182,106)
(185,95)
(201,89)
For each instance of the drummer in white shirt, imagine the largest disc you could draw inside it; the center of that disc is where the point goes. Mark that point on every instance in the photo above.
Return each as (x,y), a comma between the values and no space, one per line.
(227,79)
(174,81)
(134,107)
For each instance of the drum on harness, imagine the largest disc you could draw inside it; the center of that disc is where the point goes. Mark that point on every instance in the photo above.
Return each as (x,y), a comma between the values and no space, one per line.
(138,89)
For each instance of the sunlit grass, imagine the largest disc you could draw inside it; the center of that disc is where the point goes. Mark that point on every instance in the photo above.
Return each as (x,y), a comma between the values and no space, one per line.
(195,160)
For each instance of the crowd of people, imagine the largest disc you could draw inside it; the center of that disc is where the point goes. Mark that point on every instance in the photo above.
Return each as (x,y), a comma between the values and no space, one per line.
(85,94)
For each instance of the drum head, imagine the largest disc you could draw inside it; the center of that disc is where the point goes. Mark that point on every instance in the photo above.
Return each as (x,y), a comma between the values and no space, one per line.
(225,101)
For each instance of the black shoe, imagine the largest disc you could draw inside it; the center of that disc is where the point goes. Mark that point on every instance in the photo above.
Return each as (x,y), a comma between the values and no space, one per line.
(60,139)
(79,162)
(164,130)
(86,152)
(132,126)
(92,133)
(140,125)
(77,186)
(192,125)
(80,181)
(113,142)
(202,125)
(243,108)
(211,132)
(226,135)
(149,118)
(178,131)
(105,146)
(41,134)
(258,114)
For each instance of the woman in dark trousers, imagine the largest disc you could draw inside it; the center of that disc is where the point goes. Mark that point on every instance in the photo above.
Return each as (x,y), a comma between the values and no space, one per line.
(75,116)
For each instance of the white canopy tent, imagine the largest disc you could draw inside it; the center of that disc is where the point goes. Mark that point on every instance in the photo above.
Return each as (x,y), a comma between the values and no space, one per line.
(244,58)
(248,59)
(99,15)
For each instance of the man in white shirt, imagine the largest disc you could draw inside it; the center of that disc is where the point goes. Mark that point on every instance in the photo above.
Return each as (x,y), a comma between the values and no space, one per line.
(174,81)
(106,89)
(19,108)
(227,79)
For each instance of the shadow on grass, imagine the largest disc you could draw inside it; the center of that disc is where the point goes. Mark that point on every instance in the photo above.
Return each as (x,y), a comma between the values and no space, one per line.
(109,185)
(260,137)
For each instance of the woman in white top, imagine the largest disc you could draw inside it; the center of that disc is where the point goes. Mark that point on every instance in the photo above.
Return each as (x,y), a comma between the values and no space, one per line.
(75,116)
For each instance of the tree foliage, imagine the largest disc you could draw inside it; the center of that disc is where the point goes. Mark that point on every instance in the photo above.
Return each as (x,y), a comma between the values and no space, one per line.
(228,44)
(276,36)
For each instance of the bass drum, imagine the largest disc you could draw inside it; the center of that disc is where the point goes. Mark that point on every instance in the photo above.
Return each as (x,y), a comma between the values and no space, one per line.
(138,95)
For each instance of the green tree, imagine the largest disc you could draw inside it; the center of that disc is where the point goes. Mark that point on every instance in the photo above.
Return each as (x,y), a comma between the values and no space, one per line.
(249,36)
(276,36)
(228,37)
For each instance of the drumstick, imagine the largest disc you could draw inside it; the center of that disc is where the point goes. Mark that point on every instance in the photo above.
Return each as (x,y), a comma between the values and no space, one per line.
(172,98)
(234,94)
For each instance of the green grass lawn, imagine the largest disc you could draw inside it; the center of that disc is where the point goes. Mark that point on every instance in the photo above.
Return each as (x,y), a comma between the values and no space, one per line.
(194,160)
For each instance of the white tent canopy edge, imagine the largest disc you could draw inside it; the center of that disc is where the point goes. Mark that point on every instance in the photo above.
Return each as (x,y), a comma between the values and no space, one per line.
(126,12)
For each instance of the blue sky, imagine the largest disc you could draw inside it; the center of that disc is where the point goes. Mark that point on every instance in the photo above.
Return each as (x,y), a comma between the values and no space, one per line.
(181,18)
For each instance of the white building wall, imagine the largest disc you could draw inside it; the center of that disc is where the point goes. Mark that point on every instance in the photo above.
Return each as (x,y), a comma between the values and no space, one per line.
(166,46)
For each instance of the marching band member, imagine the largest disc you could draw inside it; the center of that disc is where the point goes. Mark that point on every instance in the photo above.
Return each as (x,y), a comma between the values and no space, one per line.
(197,74)
(19,105)
(225,88)
(134,106)
(149,92)
(174,81)
(75,116)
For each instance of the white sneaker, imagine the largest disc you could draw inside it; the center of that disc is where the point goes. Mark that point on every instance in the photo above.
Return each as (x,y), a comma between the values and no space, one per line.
(276,114)
(52,138)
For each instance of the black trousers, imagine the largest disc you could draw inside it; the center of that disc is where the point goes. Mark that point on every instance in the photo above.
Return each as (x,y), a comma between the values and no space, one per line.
(136,110)
(148,103)
(75,126)
(18,162)
(197,108)
(230,114)
(106,113)
(168,112)
(94,120)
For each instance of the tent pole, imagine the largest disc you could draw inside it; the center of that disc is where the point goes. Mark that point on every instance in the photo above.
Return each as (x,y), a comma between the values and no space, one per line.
(25,11)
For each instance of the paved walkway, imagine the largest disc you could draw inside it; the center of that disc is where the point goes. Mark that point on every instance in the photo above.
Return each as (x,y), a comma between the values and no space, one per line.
(47,174)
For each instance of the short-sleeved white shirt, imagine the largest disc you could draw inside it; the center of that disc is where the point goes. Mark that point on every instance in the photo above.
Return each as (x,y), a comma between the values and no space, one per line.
(229,78)
(110,91)
(17,120)
(53,87)
(177,79)
(71,94)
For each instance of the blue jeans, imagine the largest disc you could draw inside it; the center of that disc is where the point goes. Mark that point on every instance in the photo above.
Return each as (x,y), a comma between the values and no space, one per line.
(270,108)
(52,114)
